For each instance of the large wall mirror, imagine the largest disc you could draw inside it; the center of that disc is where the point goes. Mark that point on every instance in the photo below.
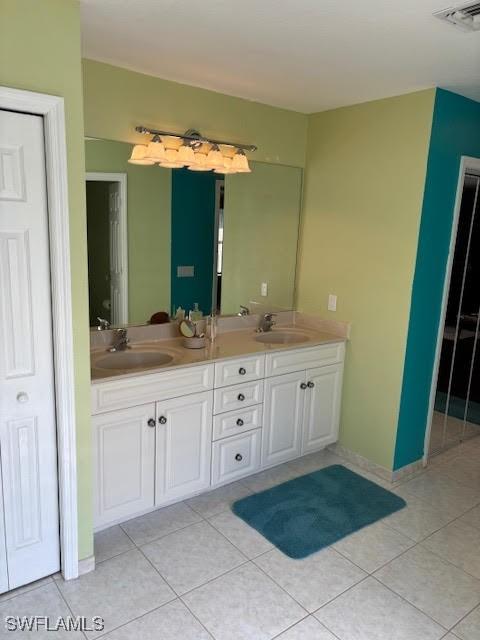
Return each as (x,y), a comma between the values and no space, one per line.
(159,239)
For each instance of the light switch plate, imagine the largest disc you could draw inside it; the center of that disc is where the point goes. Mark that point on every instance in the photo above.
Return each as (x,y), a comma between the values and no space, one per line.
(332,302)
(264,289)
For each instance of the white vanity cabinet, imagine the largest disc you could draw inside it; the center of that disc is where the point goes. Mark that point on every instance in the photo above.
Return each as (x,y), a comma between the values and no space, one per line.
(124,463)
(166,436)
(183,446)
(302,406)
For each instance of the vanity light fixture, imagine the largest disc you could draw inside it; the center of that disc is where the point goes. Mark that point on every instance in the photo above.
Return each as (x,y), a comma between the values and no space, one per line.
(191,150)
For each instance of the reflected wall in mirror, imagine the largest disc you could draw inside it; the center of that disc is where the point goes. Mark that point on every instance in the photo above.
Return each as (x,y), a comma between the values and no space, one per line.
(159,239)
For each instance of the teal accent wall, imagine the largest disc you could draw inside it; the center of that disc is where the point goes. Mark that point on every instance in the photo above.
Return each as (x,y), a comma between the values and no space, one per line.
(455,133)
(193,229)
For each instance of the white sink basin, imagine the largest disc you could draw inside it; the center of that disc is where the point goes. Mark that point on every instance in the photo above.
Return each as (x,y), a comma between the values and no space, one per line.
(133,359)
(282,337)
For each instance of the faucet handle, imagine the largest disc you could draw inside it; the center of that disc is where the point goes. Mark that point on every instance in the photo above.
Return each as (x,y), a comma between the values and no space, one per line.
(103,324)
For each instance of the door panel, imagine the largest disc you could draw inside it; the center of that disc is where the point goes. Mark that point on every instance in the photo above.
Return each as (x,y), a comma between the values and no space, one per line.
(3,550)
(322,407)
(27,400)
(184,445)
(283,416)
(123,450)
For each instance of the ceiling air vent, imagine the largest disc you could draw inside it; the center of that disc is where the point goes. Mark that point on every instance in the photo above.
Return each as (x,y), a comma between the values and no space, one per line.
(464,16)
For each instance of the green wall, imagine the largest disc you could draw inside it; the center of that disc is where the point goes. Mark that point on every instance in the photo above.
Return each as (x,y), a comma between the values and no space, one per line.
(117,100)
(40,51)
(363,195)
(455,132)
(261,221)
(148,213)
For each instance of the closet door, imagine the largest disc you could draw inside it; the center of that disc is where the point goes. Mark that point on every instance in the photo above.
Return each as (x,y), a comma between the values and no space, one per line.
(27,401)
(3,551)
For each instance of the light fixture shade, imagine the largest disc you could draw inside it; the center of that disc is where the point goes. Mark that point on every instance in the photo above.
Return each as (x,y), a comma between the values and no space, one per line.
(172,160)
(186,154)
(156,152)
(227,167)
(172,142)
(139,155)
(215,158)
(200,163)
(240,162)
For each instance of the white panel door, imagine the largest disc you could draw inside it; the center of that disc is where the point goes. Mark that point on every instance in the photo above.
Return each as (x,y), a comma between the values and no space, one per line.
(184,446)
(283,417)
(322,407)
(27,400)
(3,549)
(123,455)
(115,245)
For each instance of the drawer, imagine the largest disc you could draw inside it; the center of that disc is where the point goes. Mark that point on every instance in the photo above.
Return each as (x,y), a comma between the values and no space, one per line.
(236,457)
(238,396)
(141,389)
(239,370)
(235,422)
(300,359)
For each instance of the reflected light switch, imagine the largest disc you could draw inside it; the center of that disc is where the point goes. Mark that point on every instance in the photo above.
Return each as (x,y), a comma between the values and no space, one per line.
(185,272)
(332,302)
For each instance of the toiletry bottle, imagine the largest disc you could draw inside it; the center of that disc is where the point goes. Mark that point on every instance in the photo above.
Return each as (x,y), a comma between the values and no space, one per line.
(196,314)
(180,314)
(212,327)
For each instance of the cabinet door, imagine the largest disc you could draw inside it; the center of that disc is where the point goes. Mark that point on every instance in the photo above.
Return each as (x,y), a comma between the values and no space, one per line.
(124,450)
(283,416)
(184,446)
(322,407)
(3,551)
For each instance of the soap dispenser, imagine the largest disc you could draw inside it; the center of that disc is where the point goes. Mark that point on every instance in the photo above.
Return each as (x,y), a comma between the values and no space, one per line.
(196,314)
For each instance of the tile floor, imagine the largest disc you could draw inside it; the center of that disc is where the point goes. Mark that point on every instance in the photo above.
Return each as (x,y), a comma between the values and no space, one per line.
(194,571)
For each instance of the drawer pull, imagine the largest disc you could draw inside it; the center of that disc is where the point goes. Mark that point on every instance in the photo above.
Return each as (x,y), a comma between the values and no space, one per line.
(241,397)
(303,385)
(239,457)
(151,422)
(311,385)
(162,420)
(240,422)
(242,371)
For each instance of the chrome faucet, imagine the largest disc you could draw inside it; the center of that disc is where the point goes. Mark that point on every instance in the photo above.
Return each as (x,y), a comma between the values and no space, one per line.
(266,322)
(244,311)
(102,324)
(120,342)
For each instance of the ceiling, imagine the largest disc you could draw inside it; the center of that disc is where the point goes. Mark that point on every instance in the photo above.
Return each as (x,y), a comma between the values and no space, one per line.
(305,55)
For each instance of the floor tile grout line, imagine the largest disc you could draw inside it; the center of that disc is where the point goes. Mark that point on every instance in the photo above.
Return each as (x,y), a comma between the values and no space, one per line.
(4,598)
(477,606)
(221,575)
(410,603)
(67,604)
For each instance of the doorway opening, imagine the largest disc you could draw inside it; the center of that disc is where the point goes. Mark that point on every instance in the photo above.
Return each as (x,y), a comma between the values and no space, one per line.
(456,392)
(107,248)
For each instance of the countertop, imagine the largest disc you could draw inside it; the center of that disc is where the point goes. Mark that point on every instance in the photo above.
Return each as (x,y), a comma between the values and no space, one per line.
(231,344)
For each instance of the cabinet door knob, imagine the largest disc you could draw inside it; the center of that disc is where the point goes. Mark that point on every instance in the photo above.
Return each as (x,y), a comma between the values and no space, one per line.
(242,371)
(162,420)
(303,385)
(240,422)
(310,384)
(239,457)
(241,397)
(22,397)
(151,422)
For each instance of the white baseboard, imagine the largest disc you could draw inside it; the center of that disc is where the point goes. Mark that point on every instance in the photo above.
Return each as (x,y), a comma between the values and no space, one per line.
(373,467)
(86,565)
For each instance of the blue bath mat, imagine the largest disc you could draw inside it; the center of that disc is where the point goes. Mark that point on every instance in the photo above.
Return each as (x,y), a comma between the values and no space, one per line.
(304,515)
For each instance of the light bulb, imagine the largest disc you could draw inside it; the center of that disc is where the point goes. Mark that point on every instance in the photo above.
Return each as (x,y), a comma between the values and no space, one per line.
(186,154)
